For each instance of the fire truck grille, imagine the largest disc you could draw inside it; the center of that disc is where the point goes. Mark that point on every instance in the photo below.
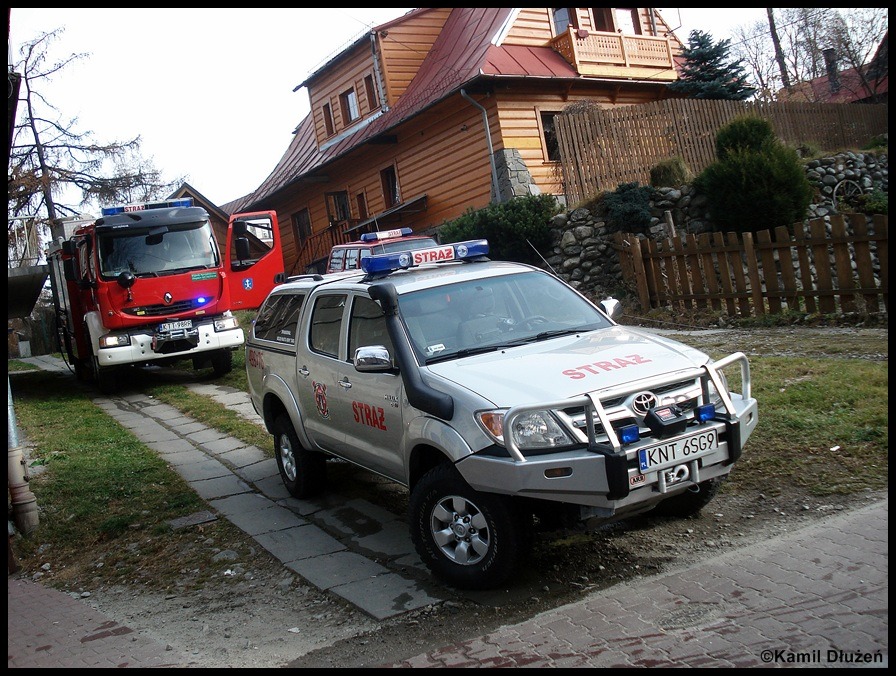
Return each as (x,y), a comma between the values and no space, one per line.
(160,310)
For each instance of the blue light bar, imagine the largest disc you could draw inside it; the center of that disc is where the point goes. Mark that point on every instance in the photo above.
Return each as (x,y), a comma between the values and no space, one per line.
(629,434)
(386,234)
(386,263)
(142,206)
(705,413)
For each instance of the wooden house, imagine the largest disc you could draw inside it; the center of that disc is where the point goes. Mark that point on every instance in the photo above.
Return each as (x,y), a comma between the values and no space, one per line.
(444,110)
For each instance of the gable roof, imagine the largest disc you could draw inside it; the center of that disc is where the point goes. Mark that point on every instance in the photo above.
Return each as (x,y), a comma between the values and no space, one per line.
(468,48)
(848,86)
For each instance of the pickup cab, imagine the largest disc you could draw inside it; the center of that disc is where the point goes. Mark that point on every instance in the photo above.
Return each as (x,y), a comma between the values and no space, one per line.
(500,396)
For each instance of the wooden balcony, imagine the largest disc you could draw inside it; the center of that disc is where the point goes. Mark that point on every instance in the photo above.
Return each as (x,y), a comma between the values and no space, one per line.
(616,55)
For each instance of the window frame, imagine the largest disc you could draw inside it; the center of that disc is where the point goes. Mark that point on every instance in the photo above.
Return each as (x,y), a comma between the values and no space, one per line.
(351,107)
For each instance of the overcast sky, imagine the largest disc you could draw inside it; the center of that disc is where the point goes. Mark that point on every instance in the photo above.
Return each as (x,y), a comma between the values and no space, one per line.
(210,91)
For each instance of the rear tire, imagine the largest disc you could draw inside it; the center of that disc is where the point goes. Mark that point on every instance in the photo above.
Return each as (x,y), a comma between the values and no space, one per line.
(468,539)
(304,473)
(689,503)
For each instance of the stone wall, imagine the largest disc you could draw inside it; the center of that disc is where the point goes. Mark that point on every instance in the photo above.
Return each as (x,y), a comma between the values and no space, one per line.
(582,252)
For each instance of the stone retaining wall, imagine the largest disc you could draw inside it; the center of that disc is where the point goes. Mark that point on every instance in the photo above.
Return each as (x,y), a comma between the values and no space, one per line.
(582,252)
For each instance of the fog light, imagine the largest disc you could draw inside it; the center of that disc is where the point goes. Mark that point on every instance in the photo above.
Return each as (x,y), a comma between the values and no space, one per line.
(705,413)
(629,434)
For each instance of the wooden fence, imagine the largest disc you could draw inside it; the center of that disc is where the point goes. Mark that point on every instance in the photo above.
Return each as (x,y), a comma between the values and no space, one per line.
(813,270)
(600,149)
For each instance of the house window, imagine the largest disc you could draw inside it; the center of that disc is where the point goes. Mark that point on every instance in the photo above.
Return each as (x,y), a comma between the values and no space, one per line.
(349,102)
(551,145)
(603,19)
(372,102)
(337,207)
(389,180)
(563,18)
(361,203)
(301,224)
(627,21)
(328,120)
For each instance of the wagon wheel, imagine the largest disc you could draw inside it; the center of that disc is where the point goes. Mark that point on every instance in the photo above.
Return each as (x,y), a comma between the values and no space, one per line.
(846,192)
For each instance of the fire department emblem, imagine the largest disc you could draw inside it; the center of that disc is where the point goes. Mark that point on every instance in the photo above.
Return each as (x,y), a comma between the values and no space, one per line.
(320,399)
(247,284)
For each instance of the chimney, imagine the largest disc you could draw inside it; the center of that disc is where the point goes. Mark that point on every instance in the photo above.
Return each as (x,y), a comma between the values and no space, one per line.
(830,62)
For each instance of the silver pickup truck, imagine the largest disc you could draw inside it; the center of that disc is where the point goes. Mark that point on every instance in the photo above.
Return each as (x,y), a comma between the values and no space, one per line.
(497,394)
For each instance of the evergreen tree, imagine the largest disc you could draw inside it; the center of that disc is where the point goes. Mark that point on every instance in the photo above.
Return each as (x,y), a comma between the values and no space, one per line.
(708,73)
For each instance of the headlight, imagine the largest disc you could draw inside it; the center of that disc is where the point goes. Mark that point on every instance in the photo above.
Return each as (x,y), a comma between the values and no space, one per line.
(226,323)
(115,340)
(532,430)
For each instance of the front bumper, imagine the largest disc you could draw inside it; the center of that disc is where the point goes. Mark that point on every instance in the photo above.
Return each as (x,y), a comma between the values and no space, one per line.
(606,475)
(147,346)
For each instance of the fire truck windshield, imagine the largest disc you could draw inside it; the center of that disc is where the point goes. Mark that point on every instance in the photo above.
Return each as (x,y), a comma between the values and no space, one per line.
(188,247)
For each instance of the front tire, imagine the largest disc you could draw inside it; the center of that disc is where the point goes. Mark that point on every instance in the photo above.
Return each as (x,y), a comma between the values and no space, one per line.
(222,363)
(303,472)
(468,539)
(690,502)
(104,378)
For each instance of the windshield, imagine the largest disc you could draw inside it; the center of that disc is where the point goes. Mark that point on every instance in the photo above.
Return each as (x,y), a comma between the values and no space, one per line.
(190,246)
(488,314)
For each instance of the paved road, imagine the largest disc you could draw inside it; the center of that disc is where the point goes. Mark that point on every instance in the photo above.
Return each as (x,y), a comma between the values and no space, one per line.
(815,597)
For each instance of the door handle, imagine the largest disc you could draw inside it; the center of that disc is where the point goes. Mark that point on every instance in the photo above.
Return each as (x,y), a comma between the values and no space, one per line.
(344,384)
(304,372)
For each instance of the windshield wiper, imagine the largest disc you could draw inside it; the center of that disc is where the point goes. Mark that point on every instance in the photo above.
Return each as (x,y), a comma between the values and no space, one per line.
(466,352)
(553,333)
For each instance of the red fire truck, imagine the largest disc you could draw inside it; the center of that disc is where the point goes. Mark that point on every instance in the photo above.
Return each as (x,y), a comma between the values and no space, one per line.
(146,284)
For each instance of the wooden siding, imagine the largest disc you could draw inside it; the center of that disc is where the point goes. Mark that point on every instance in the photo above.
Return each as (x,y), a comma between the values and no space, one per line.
(601,149)
(405,46)
(753,274)
(443,155)
(532,27)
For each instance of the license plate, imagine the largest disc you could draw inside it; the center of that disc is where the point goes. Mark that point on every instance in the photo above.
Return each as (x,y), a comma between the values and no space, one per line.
(175,326)
(671,453)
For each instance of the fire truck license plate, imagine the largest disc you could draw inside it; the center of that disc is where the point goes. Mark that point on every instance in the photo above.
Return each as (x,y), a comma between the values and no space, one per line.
(167,327)
(676,452)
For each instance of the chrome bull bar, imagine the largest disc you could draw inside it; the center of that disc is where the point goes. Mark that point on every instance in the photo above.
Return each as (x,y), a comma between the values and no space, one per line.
(591,402)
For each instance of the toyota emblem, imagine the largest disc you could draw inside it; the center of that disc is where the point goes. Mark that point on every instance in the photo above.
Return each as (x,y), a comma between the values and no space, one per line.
(643,402)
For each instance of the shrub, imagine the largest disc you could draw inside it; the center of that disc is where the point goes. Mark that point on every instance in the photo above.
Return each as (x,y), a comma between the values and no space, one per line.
(880,142)
(510,227)
(670,173)
(746,132)
(628,209)
(748,191)
(874,202)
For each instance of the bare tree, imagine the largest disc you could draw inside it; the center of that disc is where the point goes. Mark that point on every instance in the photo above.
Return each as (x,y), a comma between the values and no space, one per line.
(56,171)
(805,38)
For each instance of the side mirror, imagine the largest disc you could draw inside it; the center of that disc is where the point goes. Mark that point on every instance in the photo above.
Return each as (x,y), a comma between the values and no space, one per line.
(241,244)
(372,359)
(240,228)
(611,307)
(126,279)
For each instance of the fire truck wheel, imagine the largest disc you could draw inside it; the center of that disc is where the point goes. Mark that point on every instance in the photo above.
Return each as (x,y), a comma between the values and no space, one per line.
(82,370)
(690,502)
(222,363)
(470,540)
(304,473)
(103,377)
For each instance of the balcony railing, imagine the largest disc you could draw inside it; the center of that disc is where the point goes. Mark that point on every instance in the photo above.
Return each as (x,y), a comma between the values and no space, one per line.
(617,55)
